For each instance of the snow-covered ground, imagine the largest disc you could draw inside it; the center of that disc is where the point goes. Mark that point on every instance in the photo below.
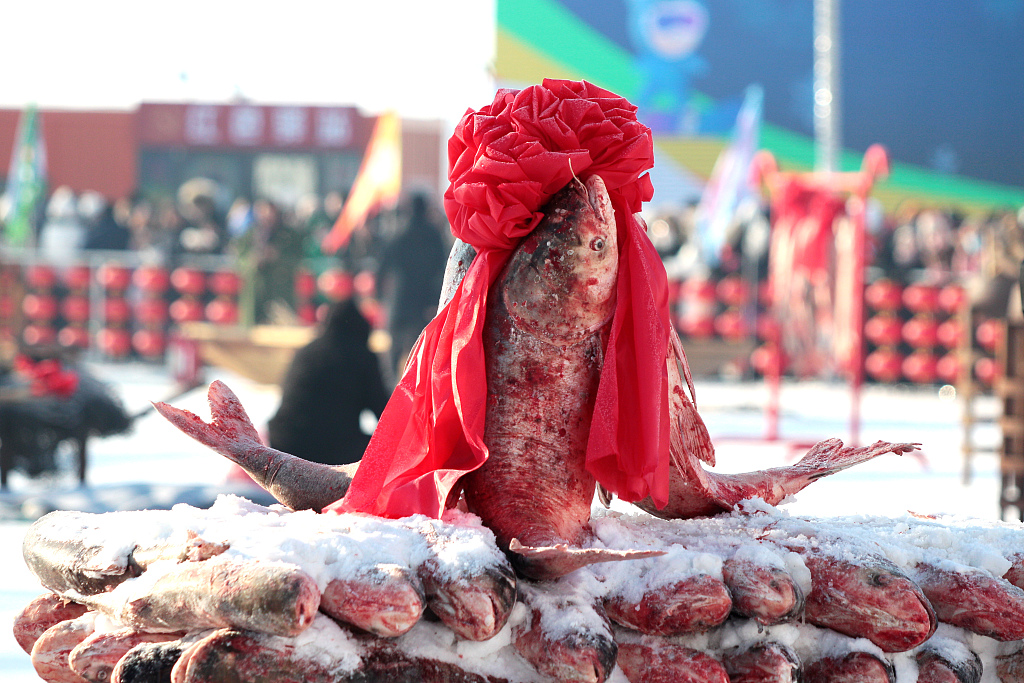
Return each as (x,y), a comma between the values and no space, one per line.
(155,465)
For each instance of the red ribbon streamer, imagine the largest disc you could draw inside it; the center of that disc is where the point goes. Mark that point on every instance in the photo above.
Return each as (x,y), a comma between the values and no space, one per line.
(505,161)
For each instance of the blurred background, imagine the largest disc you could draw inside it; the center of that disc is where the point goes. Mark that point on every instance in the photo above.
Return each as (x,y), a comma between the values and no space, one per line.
(195,190)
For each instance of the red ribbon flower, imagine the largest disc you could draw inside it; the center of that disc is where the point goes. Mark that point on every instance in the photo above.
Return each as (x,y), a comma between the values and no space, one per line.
(505,161)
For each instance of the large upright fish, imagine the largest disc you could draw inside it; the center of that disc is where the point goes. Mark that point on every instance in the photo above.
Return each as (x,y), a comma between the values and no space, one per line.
(545,337)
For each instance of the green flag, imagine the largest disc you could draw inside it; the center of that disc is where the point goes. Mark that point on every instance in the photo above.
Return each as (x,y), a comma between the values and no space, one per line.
(26,181)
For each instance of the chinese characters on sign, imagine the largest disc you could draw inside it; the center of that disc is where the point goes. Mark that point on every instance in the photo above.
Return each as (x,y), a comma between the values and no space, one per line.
(253,126)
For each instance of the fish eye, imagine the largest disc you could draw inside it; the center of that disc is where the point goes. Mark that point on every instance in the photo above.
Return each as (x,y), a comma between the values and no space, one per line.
(597,244)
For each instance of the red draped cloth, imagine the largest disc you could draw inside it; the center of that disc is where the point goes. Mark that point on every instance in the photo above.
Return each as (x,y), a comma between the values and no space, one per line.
(505,161)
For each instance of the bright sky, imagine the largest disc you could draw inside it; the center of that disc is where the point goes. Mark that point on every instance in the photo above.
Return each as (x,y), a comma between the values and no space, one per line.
(424,58)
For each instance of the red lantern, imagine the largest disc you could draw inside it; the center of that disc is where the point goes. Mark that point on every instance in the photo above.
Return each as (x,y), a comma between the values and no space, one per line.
(884,329)
(732,290)
(151,311)
(148,343)
(37,334)
(373,312)
(883,295)
(151,279)
(765,358)
(768,327)
(188,281)
(222,311)
(186,310)
(921,366)
(989,334)
(39,306)
(307,314)
(114,277)
(921,331)
(730,324)
(884,365)
(73,337)
(75,308)
(698,304)
(952,298)
(116,342)
(116,310)
(40,277)
(921,298)
(225,283)
(336,284)
(950,333)
(365,284)
(77,277)
(305,284)
(697,327)
(986,369)
(948,368)
(6,306)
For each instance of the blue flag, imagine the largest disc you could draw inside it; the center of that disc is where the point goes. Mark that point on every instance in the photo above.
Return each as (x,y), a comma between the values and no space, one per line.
(26,181)
(730,179)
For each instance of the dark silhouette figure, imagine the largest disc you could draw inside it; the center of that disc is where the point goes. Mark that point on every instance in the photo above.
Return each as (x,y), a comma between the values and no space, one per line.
(410,275)
(329,383)
(33,427)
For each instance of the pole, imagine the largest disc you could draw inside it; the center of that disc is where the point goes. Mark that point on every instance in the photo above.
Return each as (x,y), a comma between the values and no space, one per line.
(827,110)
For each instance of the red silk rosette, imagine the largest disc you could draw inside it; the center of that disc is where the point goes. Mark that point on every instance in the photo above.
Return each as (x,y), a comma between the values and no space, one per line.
(505,161)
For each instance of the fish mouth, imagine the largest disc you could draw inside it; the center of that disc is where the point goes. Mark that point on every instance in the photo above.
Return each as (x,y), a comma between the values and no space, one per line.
(596,193)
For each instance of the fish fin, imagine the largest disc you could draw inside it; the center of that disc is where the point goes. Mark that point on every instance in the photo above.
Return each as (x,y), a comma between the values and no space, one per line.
(553,561)
(692,437)
(228,432)
(830,456)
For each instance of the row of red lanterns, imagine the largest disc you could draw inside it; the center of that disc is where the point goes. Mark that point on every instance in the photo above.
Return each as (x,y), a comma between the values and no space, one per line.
(924,331)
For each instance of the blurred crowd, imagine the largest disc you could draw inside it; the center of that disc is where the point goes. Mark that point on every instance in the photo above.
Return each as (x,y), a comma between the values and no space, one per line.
(406,248)
(913,245)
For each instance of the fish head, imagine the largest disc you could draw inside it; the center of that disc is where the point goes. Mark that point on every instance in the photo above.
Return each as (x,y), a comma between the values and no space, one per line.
(560,281)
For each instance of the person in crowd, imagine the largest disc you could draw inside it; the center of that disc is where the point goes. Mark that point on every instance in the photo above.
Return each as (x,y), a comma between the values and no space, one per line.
(63,234)
(269,254)
(206,232)
(410,274)
(329,385)
(108,229)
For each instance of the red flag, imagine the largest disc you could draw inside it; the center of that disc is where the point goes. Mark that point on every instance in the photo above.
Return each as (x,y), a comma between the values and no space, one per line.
(377,185)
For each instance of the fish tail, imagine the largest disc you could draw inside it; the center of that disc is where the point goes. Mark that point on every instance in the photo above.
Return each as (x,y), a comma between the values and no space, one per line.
(230,428)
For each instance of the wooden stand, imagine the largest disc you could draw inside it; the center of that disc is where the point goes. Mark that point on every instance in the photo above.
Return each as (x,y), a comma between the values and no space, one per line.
(1010,388)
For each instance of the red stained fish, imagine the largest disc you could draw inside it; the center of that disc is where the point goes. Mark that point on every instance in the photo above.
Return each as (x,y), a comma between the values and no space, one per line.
(935,666)
(1010,667)
(974,600)
(49,609)
(766,662)
(690,605)
(871,599)
(565,638)
(544,339)
(855,667)
(766,594)
(668,663)
(148,663)
(95,657)
(473,601)
(50,652)
(386,600)
(258,596)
